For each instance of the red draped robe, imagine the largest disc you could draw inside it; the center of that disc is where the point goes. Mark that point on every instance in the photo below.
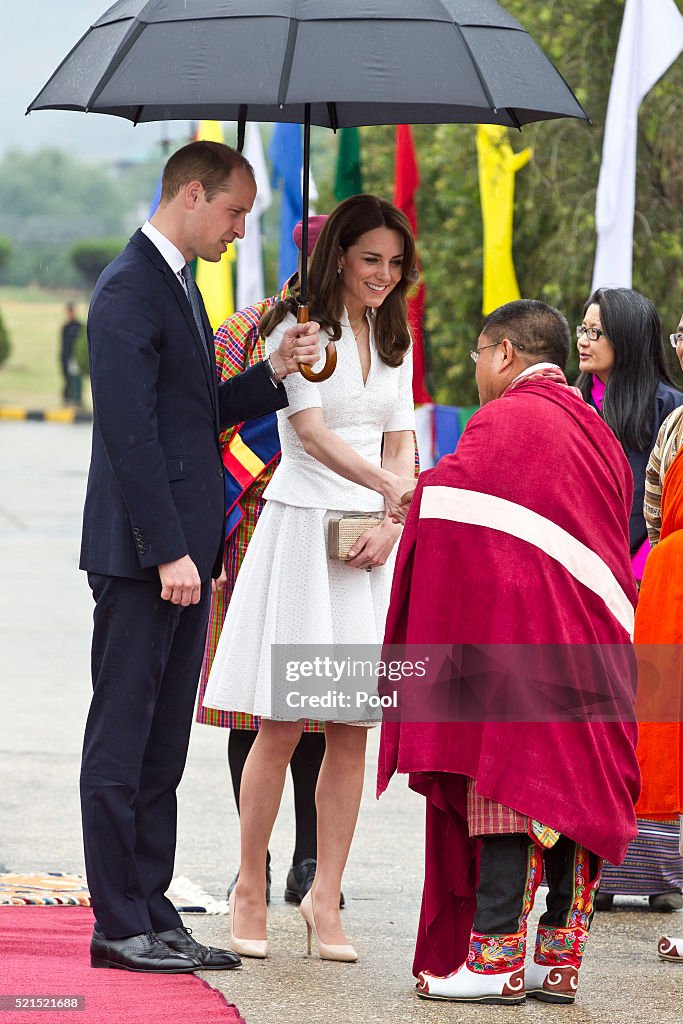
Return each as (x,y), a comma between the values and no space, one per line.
(538,458)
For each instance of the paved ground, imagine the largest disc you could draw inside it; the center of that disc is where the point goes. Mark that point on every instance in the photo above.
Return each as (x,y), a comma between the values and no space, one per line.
(45,611)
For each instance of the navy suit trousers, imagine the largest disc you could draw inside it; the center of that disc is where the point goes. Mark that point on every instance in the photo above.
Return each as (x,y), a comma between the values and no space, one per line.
(146,659)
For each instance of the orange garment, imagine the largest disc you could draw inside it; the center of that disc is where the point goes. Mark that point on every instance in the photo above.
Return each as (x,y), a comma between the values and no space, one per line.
(659,645)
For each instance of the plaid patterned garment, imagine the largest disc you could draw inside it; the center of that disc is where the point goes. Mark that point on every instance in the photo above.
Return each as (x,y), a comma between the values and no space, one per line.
(487,818)
(667,447)
(238,346)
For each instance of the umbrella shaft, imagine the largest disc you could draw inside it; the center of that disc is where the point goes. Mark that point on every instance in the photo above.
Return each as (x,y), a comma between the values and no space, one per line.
(304,226)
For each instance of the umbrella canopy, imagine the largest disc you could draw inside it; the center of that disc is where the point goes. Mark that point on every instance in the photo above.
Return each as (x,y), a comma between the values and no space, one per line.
(359,62)
(321,62)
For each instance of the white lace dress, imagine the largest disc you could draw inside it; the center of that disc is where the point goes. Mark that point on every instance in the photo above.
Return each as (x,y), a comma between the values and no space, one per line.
(288,591)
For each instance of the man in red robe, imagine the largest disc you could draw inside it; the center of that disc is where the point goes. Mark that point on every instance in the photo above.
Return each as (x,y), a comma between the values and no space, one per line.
(520,538)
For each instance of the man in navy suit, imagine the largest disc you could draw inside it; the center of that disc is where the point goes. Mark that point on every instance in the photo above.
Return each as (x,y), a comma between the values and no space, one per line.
(152,541)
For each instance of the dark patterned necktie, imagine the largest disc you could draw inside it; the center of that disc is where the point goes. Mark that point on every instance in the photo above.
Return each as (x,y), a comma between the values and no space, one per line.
(195,303)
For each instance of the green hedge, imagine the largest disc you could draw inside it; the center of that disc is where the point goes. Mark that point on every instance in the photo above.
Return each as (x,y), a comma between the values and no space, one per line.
(5,346)
(91,256)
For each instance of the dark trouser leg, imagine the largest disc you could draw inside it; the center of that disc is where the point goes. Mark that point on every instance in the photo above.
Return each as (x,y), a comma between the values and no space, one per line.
(510,872)
(146,657)
(573,875)
(164,763)
(305,766)
(509,875)
(240,742)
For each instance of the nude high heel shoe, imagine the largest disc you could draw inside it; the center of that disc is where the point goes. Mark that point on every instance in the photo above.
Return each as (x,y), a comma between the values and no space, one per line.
(344,954)
(257,948)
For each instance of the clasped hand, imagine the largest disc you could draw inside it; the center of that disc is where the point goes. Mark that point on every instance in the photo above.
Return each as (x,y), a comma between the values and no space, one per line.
(398,492)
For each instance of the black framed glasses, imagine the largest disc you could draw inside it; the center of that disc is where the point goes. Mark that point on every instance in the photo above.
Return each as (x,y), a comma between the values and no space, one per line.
(676,339)
(474,352)
(592,333)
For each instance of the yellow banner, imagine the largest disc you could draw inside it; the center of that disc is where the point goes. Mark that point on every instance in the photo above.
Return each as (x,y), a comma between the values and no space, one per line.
(498,165)
(214,280)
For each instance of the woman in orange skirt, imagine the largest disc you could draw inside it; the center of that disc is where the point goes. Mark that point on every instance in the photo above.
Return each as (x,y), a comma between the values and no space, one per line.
(659,636)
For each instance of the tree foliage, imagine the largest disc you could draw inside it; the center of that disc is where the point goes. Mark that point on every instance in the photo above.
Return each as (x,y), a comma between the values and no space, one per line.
(5,254)
(91,256)
(5,346)
(554,241)
(51,184)
(49,200)
(5,251)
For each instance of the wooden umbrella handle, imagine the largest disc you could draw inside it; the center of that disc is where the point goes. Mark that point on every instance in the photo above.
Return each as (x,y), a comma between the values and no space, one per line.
(330,354)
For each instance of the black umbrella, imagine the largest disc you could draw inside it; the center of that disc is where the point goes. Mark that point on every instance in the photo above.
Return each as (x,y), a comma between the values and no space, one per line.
(319,62)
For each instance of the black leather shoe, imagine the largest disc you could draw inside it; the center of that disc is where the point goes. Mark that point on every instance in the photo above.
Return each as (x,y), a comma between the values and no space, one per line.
(210,958)
(666,902)
(300,880)
(144,952)
(604,901)
(268,880)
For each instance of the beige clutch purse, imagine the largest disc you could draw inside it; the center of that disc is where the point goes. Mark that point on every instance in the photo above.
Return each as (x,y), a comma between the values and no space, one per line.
(342,533)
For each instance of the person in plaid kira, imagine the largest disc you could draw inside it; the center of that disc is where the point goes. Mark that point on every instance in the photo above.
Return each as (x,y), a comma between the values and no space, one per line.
(238,346)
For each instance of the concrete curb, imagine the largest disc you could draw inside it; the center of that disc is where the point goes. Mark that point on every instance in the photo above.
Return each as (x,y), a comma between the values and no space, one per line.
(68,415)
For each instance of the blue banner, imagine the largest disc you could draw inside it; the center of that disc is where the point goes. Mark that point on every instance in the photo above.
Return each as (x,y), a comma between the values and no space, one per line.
(286,155)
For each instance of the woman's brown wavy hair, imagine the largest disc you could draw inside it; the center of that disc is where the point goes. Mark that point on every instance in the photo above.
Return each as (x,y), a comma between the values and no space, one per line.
(345,225)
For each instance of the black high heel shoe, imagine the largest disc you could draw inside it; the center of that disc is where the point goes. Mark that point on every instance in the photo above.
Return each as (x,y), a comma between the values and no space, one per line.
(268,881)
(300,879)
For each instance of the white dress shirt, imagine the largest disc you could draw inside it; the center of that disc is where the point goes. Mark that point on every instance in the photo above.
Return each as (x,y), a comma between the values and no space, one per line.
(171,254)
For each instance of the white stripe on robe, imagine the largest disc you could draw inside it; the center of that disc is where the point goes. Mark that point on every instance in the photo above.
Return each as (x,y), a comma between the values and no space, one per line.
(487,510)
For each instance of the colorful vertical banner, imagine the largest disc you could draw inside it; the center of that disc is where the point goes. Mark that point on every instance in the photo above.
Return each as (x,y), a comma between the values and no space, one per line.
(286,156)
(650,41)
(349,178)
(156,198)
(214,280)
(498,165)
(250,282)
(406,183)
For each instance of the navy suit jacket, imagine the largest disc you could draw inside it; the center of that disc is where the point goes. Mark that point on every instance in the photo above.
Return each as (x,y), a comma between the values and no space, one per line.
(155,487)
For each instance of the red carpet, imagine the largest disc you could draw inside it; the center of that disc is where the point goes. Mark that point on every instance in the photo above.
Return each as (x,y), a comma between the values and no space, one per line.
(44,952)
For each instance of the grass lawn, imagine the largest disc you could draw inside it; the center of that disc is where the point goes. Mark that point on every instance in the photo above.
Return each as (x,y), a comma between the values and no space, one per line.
(32,376)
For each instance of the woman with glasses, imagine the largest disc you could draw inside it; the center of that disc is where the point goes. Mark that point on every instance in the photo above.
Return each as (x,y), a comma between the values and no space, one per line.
(624,376)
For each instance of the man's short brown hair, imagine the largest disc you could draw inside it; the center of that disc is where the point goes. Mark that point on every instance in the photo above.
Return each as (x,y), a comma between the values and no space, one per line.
(211,163)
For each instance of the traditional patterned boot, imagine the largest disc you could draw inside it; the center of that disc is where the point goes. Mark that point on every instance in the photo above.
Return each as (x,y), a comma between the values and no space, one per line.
(493,973)
(494,970)
(669,948)
(573,879)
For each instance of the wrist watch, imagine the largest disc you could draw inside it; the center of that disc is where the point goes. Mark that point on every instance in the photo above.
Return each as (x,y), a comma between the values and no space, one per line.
(275,378)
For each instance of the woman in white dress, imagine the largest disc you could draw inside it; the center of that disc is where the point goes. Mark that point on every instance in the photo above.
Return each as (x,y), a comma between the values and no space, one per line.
(347,446)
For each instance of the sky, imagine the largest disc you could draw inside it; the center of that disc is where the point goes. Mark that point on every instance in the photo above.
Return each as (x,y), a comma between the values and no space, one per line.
(35,36)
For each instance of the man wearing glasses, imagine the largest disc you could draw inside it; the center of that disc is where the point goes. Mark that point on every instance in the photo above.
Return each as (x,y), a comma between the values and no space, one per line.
(515,556)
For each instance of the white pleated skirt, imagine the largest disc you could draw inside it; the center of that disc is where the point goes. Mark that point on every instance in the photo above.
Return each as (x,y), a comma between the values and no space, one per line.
(289,592)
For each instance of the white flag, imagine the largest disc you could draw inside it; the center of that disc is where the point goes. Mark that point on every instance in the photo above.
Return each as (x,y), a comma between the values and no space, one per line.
(650,41)
(250,283)
(424,435)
